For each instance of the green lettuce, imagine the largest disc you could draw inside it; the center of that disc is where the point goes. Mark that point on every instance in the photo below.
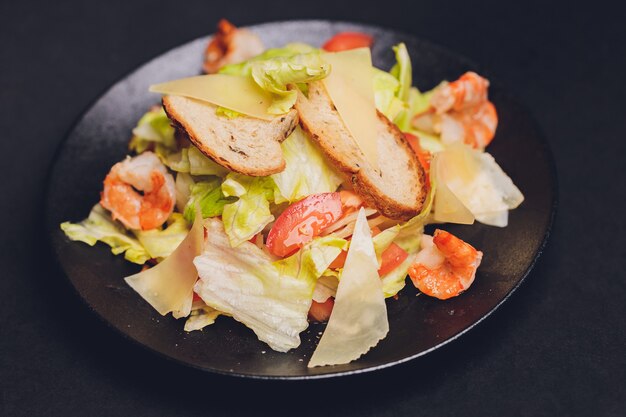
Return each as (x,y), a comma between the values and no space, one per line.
(417,102)
(161,243)
(272,299)
(191,161)
(244,69)
(306,170)
(154,130)
(403,71)
(276,69)
(394,280)
(277,74)
(386,88)
(208,194)
(223,111)
(248,215)
(99,226)
(313,259)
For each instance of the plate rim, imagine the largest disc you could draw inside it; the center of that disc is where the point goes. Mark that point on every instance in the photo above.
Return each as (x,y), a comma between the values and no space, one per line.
(545,144)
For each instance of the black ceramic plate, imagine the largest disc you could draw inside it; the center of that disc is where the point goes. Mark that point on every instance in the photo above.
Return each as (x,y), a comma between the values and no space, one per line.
(418,325)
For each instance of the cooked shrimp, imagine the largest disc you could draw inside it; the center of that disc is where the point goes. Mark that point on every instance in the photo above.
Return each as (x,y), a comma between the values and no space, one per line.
(445,267)
(468,91)
(475,126)
(461,112)
(230,46)
(152,205)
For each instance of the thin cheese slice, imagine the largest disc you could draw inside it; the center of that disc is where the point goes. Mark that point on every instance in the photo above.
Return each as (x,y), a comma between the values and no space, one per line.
(350,87)
(168,287)
(241,94)
(447,207)
(359,318)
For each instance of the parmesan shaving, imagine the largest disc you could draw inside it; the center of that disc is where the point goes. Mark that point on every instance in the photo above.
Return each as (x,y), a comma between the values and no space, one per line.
(241,94)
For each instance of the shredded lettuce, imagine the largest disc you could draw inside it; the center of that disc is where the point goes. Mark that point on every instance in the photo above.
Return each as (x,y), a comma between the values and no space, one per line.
(313,259)
(306,171)
(325,287)
(395,279)
(208,194)
(272,299)
(276,69)
(161,243)
(99,226)
(386,87)
(359,317)
(153,129)
(276,74)
(183,185)
(191,161)
(200,318)
(223,111)
(248,215)
(244,69)
(403,71)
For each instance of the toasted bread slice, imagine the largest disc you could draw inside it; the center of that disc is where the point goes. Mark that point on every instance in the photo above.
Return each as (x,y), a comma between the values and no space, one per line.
(398,191)
(244,144)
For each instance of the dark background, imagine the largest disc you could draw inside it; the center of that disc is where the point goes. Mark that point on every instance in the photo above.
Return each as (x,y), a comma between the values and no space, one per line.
(556,348)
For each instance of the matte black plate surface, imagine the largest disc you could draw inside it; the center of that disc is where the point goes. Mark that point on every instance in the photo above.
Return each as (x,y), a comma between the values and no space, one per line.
(418,325)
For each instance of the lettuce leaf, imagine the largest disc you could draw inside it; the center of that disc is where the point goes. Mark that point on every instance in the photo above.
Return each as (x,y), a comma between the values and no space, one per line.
(277,68)
(272,299)
(359,317)
(200,318)
(99,226)
(306,171)
(183,185)
(251,212)
(394,280)
(223,111)
(161,243)
(325,287)
(417,102)
(154,129)
(276,74)
(208,194)
(403,71)
(386,88)
(313,259)
(191,161)
(244,69)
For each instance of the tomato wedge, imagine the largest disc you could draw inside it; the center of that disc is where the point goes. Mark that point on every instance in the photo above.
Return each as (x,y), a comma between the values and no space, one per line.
(391,258)
(321,311)
(422,154)
(344,41)
(302,221)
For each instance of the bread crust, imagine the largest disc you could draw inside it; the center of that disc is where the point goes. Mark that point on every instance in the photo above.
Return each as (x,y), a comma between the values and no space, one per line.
(360,178)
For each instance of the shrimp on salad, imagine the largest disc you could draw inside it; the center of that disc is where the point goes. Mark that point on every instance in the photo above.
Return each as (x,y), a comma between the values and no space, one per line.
(446,265)
(139,192)
(230,45)
(460,112)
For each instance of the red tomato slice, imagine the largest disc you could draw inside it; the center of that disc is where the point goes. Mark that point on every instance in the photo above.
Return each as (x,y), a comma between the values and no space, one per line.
(391,258)
(302,221)
(348,40)
(321,311)
(422,155)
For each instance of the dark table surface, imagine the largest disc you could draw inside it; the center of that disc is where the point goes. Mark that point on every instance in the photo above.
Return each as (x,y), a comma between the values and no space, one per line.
(556,348)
